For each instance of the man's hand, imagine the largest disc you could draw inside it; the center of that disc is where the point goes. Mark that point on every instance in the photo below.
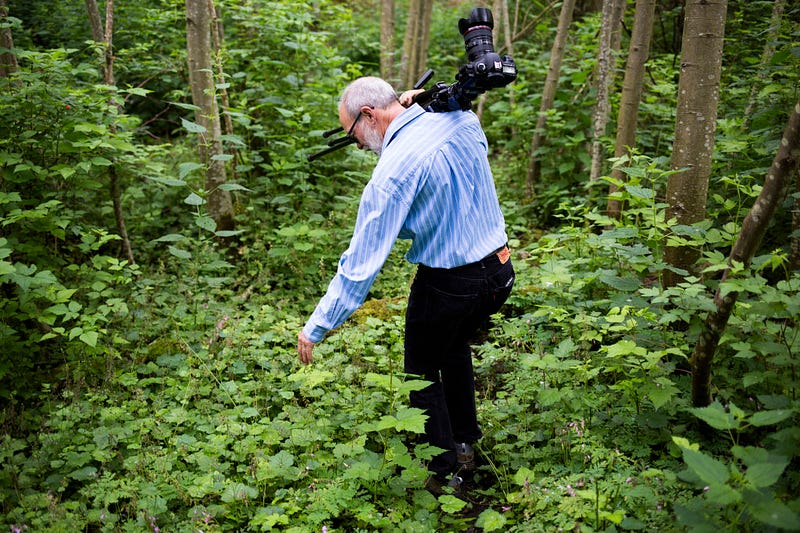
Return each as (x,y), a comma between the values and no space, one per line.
(304,348)
(407,98)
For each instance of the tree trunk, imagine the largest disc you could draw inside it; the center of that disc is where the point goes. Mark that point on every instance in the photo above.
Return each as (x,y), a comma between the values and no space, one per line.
(769,50)
(695,125)
(388,71)
(8,60)
(104,35)
(604,79)
(638,51)
(549,92)
(415,45)
(794,242)
(201,78)
(754,226)
(217,34)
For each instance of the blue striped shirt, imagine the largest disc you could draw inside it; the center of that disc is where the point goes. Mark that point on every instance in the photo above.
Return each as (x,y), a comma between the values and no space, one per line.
(433,185)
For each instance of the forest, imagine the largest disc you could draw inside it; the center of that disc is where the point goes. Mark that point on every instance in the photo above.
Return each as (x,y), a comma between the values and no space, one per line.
(165,232)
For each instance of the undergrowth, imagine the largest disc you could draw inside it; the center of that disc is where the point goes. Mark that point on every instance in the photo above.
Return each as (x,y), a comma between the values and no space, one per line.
(207,421)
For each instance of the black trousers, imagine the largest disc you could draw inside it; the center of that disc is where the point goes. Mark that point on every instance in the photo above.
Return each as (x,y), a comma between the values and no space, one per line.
(446,308)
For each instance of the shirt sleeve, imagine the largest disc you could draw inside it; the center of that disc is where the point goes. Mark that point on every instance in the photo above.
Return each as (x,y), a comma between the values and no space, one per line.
(380,216)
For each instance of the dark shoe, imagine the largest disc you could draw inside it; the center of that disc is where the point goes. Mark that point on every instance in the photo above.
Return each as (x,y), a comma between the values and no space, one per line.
(465,456)
(437,487)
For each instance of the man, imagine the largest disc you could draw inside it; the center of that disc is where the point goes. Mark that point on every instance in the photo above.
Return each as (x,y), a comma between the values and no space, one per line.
(433,185)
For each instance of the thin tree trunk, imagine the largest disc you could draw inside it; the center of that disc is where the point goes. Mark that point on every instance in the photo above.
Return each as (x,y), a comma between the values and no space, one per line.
(605,77)
(632,84)
(549,92)
(198,45)
(217,34)
(415,44)
(769,50)
(794,242)
(695,126)
(8,60)
(388,71)
(103,34)
(784,167)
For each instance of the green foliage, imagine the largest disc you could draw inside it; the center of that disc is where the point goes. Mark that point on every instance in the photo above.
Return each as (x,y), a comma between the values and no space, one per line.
(167,395)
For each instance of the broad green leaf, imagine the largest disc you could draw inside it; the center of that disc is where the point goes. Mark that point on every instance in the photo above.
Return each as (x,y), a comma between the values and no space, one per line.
(170,237)
(451,504)
(186,168)
(723,494)
(715,416)
(233,187)
(207,223)
(221,157)
(172,182)
(767,418)
(411,419)
(640,192)
(763,475)
(194,199)
(239,492)
(708,469)
(180,254)
(90,338)
(771,512)
(627,283)
(192,127)
(190,107)
(228,233)
(490,520)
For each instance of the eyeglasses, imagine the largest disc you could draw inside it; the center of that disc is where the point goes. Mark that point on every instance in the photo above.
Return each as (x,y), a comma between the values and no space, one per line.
(353,127)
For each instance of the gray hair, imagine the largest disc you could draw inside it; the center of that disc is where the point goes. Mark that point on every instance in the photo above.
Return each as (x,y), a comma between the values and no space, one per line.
(370,91)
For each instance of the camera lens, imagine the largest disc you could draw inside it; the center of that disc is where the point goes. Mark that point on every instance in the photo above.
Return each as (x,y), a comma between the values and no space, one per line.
(477,32)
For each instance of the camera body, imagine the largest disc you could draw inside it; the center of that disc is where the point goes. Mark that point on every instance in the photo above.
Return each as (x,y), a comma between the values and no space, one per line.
(485,69)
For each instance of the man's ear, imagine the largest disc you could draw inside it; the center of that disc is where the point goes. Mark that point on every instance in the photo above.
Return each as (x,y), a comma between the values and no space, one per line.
(369,113)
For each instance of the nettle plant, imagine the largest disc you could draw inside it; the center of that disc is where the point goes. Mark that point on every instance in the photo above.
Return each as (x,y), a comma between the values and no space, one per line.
(744,490)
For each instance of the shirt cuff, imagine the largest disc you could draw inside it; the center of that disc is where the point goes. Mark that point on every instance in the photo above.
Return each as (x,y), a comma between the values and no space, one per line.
(314,333)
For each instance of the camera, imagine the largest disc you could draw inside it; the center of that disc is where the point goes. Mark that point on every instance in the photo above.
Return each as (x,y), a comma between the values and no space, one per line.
(485,69)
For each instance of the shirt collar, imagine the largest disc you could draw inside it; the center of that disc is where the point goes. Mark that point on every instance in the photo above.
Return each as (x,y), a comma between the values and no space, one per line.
(400,121)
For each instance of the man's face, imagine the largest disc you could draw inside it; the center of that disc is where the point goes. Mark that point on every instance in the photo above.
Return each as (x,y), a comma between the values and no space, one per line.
(363,128)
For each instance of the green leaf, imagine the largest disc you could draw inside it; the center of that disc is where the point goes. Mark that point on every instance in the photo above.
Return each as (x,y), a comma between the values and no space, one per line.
(170,237)
(765,474)
(190,107)
(185,168)
(180,254)
(627,283)
(194,199)
(715,416)
(491,520)
(192,127)
(233,187)
(207,223)
(228,233)
(411,419)
(771,512)
(767,418)
(640,192)
(708,469)
(239,492)
(90,338)
(172,182)
(221,157)
(451,504)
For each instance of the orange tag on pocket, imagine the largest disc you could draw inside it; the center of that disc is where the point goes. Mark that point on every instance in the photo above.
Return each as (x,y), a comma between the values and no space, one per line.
(503,255)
